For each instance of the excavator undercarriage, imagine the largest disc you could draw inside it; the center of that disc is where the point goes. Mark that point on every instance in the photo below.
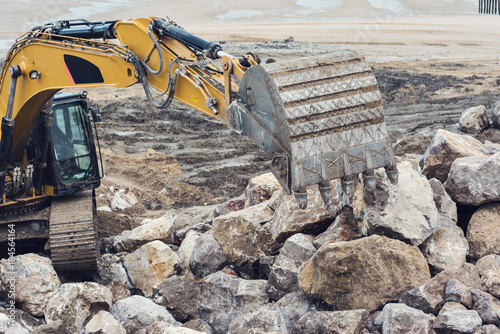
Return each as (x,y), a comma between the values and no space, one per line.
(320,118)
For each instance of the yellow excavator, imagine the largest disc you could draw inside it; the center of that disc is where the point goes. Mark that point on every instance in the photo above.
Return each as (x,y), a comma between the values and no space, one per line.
(320,118)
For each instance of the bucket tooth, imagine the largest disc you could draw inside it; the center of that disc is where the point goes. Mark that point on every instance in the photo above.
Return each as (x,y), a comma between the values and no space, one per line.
(348,186)
(301,198)
(326,194)
(370,181)
(392,174)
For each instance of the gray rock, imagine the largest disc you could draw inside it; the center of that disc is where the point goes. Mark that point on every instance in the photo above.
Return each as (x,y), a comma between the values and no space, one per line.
(266,319)
(35,280)
(9,326)
(470,180)
(136,313)
(495,115)
(158,229)
(398,318)
(179,295)
(422,300)
(445,148)
(293,306)
(487,306)
(111,269)
(458,292)
(104,323)
(266,264)
(483,232)
(340,273)
(452,306)
(474,120)
(331,322)
(283,277)
(224,297)
(151,264)
(187,219)
(289,219)
(207,257)
(488,329)
(344,228)
(186,249)
(489,271)
(75,303)
(260,189)
(242,236)
(457,322)
(446,248)
(443,201)
(24,319)
(409,213)
(428,298)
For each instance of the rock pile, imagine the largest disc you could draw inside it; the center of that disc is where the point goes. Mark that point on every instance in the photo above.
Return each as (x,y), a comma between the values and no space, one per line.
(398,260)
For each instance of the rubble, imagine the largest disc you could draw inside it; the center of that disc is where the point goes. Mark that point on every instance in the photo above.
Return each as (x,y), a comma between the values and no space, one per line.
(474,120)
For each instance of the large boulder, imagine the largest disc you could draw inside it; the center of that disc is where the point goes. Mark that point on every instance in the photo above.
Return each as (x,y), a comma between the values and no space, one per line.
(445,148)
(458,292)
(446,248)
(224,297)
(260,189)
(341,273)
(179,295)
(398,318)
(104,323)
(470,180)
(158,229)
(457,322)
(405,211)
(242,236)
(474,120)
(332,322)
(76,303)
(489,271)
(151,264)
(136,313)
(207,257)
(483,232)
(289,219)
(283,277)
(487,306)
(187,219)
(35,280)
(24,319)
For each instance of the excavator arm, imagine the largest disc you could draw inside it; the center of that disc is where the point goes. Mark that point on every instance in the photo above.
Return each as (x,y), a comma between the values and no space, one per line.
(320,118)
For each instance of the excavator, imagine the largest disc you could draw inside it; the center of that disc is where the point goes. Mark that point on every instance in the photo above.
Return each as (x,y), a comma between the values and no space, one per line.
(319,118)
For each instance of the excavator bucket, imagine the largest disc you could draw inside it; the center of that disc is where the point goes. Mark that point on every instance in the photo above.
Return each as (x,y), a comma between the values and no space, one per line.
(321,118)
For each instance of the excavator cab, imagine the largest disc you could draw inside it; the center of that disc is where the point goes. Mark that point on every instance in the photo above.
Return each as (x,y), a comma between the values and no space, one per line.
(73,162)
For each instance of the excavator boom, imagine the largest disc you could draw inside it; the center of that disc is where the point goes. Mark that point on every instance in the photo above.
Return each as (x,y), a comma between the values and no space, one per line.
(319,118)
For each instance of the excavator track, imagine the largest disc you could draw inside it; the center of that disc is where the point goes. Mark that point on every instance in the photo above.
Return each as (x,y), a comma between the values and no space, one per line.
(73,235)
(322,118)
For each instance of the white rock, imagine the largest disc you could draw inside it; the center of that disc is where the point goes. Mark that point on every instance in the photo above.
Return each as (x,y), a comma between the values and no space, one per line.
(151,264)
(409,213)
(122,201)
(474,120)
(35,280)
(136,313)
(158,229)
(104,323)
(186,249)
(73,303)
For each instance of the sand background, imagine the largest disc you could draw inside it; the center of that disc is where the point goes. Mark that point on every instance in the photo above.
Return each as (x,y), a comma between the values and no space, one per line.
(386,28)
